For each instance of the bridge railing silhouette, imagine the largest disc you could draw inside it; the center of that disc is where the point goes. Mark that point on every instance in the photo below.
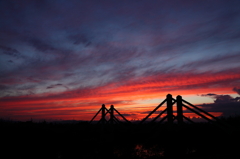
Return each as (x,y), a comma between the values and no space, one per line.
(113,119)
(170,117)
(170,101)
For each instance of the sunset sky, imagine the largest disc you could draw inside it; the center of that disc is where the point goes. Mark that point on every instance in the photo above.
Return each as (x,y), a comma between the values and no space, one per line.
(63,59)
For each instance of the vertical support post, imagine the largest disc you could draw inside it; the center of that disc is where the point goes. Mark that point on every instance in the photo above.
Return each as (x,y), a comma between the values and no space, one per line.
(169,109)
(103,114)
(179,110)
(111,114)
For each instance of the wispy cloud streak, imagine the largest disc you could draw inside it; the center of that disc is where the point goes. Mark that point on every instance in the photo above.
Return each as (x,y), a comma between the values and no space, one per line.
(85,53)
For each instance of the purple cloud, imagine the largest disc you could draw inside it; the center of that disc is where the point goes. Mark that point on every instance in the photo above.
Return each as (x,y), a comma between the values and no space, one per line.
(236,89)
(223,103)
(86,45)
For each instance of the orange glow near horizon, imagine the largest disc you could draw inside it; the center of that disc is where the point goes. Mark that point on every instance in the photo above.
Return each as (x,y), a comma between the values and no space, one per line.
(134,97)
(64,66)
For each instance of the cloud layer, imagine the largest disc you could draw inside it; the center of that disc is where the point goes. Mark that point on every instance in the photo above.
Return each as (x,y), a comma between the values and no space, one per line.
(59,59)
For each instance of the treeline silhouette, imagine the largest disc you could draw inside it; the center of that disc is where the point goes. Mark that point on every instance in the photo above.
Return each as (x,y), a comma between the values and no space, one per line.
(121,141)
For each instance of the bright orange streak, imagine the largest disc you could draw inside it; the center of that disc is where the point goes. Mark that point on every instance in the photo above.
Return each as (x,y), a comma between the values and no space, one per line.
(88,101)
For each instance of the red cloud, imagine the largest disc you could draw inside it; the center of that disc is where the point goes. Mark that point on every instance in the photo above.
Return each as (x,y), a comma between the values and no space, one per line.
(76,103)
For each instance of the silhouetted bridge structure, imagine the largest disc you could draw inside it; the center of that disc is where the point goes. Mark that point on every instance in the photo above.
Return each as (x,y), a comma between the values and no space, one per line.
(104,111)
(170,117)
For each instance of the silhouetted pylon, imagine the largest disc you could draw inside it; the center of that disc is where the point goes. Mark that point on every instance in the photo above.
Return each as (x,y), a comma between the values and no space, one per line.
(102,109)
(170,117)
(179,110)
(112,118)
(180,104)
(170,109)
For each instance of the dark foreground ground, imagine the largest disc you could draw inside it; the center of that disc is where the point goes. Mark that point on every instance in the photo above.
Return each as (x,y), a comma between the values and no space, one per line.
(82,140)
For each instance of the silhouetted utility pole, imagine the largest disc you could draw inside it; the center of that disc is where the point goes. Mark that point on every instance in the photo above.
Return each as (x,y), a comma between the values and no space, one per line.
(179,110)
(169,109)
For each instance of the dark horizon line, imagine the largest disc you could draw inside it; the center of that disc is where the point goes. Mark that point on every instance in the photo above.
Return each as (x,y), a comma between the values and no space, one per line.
(39,121)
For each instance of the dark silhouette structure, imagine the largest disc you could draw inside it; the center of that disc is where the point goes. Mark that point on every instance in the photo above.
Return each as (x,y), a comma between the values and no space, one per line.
(179,117)
(169,117)
(104,111)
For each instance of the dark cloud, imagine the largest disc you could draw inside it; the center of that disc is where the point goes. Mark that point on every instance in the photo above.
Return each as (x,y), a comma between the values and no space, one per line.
(209,94)
(80,39)
(213,61)
(101,48)
(57,86)
(227,108)
(127,114)
(3,87)
(40,45)
(237,99)
(223,103)
(9,51)
(236,89)
(221,98)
